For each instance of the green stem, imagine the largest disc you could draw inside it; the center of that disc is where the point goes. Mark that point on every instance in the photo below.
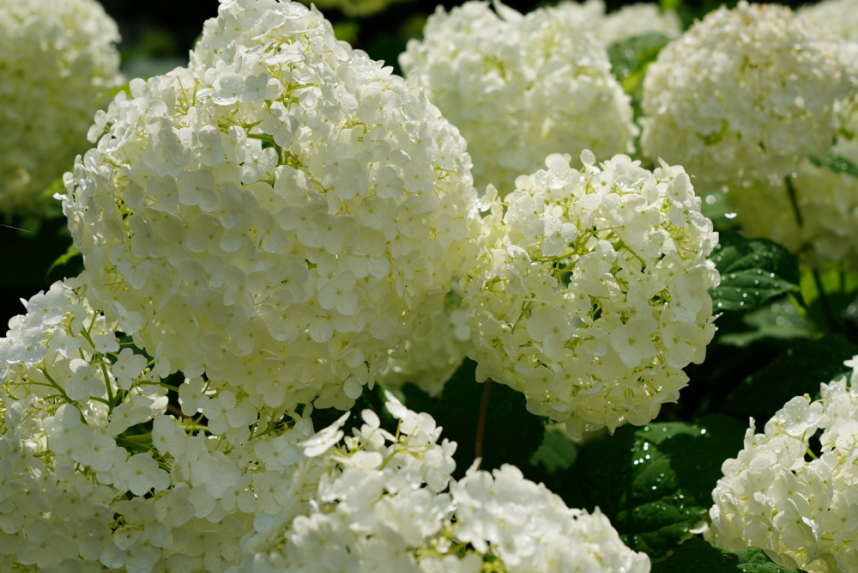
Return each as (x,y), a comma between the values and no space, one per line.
(481,424)
(793,201)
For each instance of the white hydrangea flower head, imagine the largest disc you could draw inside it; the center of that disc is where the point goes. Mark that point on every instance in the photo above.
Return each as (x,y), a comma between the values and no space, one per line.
(372,500)
(592,290)
(544,535)
(354,8)
(779,496)
(280,214)
(837,16)
(96,469)
(56,57)
(433,351)
(380,502)
(629,21)
(826,203)
(743,95)
(520,87)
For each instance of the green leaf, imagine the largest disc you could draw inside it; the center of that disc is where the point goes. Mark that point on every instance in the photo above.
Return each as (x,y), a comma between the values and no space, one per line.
(777,321)
(654,482)
(556,453)
(834,162)
(630,58)
(511,433)
(63,259)
(839,290)
(699,556)
(798,370)
(753,271)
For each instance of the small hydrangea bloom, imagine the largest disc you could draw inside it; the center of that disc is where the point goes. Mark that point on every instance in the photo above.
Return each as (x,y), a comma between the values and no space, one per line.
(629,21)
(796,505)
(56,57)
(520,87)
(825,200)
(743,95)
(280,214)
(592,290)
(384,502)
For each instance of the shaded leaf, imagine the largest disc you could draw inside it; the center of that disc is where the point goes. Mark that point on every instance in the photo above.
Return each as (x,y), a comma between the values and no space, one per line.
(834,162)
(778,321)
(699,556)
(556,453)
(798,370)
(511,435)
(654,482)
(752,272)
(840,288)
(630,58)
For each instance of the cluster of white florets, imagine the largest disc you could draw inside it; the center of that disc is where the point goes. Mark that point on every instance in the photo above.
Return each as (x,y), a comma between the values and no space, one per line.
(825,200)
(95,473)
(629,21)
(520,87)
(56,56)
(780,496)
(743,95)
(280,214)
(592,290)
(838,16)
(380,502)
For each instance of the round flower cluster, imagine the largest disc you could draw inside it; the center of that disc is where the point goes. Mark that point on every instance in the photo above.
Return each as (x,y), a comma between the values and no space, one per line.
(592,290)
(280,214)
(629,21)
(743,95)
(96,475)
(837,16)
(520,87)
(377,502)
(825,200)
(56,56)
(778,495)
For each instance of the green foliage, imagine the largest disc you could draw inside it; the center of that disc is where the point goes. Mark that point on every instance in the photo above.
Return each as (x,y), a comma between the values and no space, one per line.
(753,271)
(654,482)
(698,556)
(779,320)
(825,296)
(798,370)
(630,58)
(512,434)
(555,455)
(834,162)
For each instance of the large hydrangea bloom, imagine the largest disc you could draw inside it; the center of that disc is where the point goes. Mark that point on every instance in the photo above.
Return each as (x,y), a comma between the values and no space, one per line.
(592,291)
(798,506)
(520,87)
(56,56)
(280,214)
(743,95)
